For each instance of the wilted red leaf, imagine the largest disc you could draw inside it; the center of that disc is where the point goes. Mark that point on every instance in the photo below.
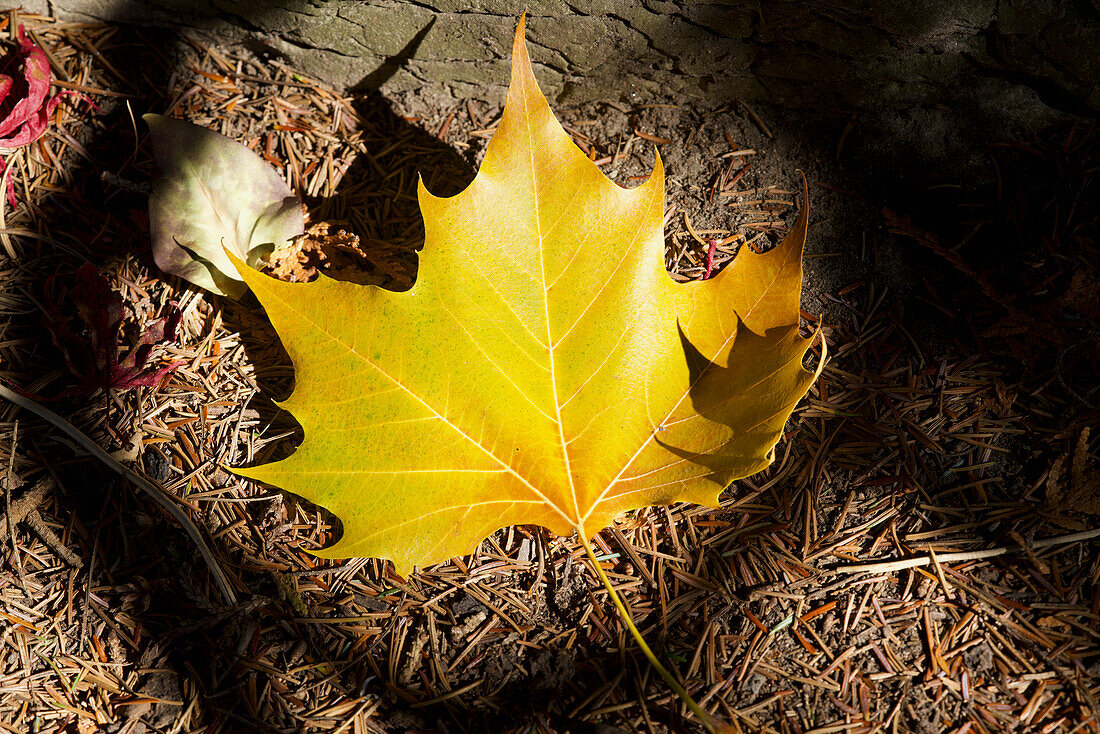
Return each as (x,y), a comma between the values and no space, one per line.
(25,105)
(93,356)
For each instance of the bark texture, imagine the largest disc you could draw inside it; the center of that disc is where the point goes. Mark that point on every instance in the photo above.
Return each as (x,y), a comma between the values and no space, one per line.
(1024,58)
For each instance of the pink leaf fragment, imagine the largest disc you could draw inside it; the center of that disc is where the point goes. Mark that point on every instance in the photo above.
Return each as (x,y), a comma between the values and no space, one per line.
(25,105)
(712,247)
(36,83)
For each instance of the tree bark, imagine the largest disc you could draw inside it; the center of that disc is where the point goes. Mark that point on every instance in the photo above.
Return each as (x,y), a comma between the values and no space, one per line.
(1025,58)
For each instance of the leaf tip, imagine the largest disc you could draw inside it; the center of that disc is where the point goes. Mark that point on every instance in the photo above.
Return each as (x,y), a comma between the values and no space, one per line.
(246,272)
(157,125)
(331,553)
(423,195)
(238,263)
(242,472)
(521,28)
(521,59)
(657,175)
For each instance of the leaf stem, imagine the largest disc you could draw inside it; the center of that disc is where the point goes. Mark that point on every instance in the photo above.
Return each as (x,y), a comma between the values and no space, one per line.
(713,725)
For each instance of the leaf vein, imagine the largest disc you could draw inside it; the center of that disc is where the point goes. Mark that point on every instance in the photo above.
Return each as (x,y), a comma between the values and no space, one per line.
(307,318)
(496,366)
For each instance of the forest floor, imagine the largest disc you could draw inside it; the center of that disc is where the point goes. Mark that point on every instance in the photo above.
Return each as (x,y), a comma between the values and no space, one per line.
(922,555)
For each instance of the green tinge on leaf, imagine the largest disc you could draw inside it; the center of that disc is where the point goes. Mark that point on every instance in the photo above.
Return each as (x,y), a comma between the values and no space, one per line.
(214,194)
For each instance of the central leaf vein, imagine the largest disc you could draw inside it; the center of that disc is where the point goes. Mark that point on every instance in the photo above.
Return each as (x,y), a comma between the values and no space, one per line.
(574,521)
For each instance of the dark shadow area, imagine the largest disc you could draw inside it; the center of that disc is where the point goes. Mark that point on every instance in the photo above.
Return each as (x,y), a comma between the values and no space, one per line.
(134,557)
(392,64)
(744,401)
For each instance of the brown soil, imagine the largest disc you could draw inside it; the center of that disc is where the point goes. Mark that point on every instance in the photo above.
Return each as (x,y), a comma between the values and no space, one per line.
(952,420)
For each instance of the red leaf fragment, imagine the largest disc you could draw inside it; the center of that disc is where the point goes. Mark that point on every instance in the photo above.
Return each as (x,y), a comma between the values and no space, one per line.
(30,94)
(712,247)
(24,108)
(93,358)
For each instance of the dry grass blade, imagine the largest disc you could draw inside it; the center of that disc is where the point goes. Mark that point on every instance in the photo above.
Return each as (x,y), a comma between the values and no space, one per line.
(902,564)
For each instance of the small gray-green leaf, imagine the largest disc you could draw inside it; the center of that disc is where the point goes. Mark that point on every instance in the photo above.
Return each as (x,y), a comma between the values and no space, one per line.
(212,192)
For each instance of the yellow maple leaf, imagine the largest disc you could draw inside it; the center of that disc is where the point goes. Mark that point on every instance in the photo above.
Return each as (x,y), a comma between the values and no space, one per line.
(544,369)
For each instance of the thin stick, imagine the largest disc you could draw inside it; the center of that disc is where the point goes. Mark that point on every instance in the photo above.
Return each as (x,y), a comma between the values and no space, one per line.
(26,504)
(755,118)
(38,524)
(134,478)
(713,725)
(890,566)
(17,559)
(4,203)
